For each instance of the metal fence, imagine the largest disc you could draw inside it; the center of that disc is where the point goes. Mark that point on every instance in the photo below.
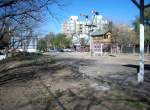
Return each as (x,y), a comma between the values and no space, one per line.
(130,49)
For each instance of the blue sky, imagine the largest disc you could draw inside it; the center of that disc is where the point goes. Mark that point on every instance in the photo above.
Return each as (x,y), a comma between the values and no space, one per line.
(119,11)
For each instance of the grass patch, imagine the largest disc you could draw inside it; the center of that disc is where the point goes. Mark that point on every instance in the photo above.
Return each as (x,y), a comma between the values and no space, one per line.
(129,100)
(136,104)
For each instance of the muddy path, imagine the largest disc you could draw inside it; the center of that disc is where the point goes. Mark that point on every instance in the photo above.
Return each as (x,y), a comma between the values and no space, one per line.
(70,83)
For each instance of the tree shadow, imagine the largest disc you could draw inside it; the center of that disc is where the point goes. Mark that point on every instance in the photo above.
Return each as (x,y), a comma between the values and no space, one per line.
(47,105)
(17,77)
(146,66)
(77,61)
(59,103)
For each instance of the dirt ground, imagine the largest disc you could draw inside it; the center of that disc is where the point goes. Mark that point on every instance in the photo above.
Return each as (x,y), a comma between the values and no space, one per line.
(74,81)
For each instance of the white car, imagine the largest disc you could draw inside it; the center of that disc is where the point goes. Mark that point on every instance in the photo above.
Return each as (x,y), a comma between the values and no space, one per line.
(67,50)
(2,56)
(52,50)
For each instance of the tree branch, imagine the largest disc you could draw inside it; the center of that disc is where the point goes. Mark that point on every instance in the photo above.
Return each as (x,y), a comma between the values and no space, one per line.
(8,3)
(146,6)
(135,2)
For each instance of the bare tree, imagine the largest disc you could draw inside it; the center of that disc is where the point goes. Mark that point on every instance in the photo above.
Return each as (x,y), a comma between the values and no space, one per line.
(121,35)
(18,17)
(134,40)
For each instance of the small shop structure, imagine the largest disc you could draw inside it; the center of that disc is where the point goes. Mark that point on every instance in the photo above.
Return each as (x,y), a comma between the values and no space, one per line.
(101,42)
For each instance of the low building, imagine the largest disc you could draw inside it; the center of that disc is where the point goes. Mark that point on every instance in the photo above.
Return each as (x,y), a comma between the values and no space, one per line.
(79,30)
(24,44)
(101,41)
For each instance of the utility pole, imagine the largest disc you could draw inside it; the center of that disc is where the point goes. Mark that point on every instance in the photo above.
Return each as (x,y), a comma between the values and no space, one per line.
(89,31)
(141,7)
(141,72)
(90,28)
(91,44)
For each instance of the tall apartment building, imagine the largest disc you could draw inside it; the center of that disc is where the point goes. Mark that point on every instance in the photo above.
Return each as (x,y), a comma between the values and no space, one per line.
(74,25)
(99,22)
(79,29)
(69,26)
(79,26)
(64,27)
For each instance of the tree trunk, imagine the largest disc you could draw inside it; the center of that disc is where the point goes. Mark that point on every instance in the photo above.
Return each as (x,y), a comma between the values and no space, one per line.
(133,49)
(147,49)
(121,50)
(111,49)
(6,52)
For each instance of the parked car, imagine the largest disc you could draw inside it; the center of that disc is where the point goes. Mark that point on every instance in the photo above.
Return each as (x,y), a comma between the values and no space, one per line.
(60,50)
(2,56)
(52,50)
(67,50)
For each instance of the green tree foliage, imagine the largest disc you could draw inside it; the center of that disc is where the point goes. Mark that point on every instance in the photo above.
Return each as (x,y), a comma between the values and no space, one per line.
(49,38)
(54,41)
(147,29)
(41,45)
(121,34)
(124,36)
(61,41)
(147,12)
(136,25)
